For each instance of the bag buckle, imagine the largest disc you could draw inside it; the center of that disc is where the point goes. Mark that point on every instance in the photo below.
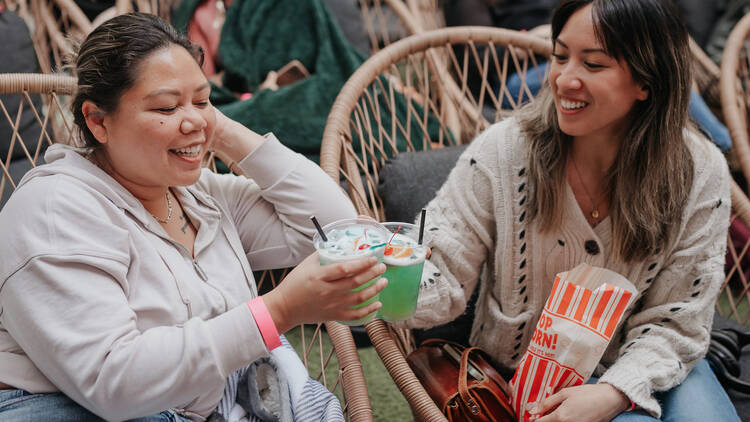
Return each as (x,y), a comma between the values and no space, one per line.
(473,407)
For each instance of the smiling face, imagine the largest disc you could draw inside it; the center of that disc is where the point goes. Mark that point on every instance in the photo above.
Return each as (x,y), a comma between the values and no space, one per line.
(158,134)
(594,92)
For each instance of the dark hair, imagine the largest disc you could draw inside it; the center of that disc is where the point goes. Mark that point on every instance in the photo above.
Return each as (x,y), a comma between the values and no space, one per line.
(108,61)
(652,176)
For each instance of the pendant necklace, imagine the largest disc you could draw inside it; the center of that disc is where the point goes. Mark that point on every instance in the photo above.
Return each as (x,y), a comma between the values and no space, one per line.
(595,210)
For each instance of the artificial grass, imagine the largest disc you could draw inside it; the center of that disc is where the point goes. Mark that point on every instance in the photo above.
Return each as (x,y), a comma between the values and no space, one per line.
(742,304)
(388,404)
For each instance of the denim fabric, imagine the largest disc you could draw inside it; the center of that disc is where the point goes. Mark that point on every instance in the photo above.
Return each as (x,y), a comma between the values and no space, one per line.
(18,405)
(702,115)
(699,398)
(699,111)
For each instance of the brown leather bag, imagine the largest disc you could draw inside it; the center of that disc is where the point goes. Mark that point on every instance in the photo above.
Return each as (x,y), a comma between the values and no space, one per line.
(462,382)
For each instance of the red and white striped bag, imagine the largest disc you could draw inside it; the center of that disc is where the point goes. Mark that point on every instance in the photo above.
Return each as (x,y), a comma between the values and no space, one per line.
(581,314)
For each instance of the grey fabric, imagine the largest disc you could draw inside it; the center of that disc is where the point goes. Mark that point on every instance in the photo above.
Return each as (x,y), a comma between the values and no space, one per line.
(733,11)
(17,44)
(741,401)
(411,179)
(17,169)
(349,18)
(700,17)
(266,383)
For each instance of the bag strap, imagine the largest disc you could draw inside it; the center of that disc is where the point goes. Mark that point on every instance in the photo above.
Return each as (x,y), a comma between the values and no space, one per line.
(463,387)
(439,341)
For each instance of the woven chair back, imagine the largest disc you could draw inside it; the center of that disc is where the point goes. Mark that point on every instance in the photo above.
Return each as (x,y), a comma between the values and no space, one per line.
(735,91)
(427,91)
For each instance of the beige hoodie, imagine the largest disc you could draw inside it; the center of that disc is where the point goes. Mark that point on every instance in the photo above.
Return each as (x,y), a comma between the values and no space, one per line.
(98,302)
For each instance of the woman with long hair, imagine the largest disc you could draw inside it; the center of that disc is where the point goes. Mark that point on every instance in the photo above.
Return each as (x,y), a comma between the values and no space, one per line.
(602,168)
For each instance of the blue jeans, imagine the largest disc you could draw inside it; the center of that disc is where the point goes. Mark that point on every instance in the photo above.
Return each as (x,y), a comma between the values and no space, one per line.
(18,405)
(700,398)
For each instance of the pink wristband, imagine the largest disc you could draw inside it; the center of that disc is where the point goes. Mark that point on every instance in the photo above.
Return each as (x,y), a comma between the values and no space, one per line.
(632,406)
(265,323)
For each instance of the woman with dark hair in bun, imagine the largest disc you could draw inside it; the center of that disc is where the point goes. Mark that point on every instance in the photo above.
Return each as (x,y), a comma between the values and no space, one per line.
(126,278)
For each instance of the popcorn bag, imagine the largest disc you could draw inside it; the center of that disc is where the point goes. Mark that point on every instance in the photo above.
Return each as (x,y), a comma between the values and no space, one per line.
(581,314)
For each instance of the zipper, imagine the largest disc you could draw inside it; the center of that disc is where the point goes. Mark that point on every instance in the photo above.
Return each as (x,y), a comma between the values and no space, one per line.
(199,270)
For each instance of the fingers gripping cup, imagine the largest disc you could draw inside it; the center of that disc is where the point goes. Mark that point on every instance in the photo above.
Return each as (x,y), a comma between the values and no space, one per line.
(404,259)
(349,239)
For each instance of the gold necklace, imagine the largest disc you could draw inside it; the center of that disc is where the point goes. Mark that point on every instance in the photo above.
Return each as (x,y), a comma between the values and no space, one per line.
(595,210)
(169,207)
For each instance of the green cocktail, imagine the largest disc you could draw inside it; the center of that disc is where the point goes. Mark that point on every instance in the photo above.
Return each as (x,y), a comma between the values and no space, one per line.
(352,239)
(404,260)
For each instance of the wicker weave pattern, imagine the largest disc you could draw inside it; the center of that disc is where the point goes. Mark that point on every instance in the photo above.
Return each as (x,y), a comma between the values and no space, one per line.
(416,94)
(162,8)
(340,369)
(734,87)
(54,25)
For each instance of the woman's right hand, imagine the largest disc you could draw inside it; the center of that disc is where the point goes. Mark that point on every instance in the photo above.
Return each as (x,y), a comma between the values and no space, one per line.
(313,293)
(232,139)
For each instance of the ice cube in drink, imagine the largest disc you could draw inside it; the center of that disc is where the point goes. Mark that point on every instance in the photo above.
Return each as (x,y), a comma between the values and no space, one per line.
(352,239)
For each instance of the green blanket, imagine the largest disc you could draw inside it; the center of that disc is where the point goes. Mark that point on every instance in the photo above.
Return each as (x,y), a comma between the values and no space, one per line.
(260,36)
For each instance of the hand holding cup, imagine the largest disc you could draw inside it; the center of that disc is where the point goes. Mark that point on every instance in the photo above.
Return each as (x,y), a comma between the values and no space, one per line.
(313,293)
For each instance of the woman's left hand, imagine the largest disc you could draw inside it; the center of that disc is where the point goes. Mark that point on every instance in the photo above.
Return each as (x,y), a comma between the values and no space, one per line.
(584,403)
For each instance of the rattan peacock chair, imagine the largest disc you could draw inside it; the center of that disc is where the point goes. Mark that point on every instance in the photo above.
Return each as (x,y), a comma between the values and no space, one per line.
(366,128)
(734,86)
(415,94)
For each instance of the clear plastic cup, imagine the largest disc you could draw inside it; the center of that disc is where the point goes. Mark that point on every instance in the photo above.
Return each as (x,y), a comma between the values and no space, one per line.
(349,239)
(404,260)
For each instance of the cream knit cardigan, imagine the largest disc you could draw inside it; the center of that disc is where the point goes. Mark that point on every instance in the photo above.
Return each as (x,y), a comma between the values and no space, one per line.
(478,230)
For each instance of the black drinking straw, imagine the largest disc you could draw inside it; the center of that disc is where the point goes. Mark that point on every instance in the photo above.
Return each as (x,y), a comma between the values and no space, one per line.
(421,226)
(320,229)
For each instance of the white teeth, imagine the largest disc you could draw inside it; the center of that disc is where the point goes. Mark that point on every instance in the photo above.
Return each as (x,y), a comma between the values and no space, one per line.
(572,105)
(191,151)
